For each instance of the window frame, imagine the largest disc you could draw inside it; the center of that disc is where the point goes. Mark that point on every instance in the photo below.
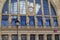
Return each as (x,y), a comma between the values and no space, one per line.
(5,20)
(31,20)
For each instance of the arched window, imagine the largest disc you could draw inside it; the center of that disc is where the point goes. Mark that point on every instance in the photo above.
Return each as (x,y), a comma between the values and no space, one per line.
(53,10)
(22,3)
(5,8)
(54,15)
(42,10)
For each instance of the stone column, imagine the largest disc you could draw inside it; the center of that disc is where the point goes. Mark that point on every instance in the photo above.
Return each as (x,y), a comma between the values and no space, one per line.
(9,9)
(45,37)
(10,37)
(0,37)
(28,36)
(43,14)
(19,37)
(37,37)
(53,37)
(59,36)
(27,22)
(36,22)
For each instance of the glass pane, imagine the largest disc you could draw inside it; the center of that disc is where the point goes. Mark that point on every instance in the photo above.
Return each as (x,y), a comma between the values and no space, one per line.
(23,37)
(56,37)
(40,21)
(14,6)
(47,21)
(14,37)
(49,37)
(40,37)
(32,37)
(5,20)
(38,7)
(13,20)
(31,21)
(55,22)
(46,9)
(23,20)
(30,3)
(4,37)
(53,10)
(22,6)
(5,8)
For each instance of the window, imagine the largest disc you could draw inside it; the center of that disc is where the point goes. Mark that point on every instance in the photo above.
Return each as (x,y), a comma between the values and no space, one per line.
(41,37)
(53,10)
(14,6)
(4,20)
(23,20)
(38,7)
(14,37)
(49,37)
(5,8)
(32,37)
(30,3)
(23,37)
(13,20)
(31,21)
(22,7)
(4,37)
(45,5)
(55,22)
(40,21)
(47,21)
(56,37)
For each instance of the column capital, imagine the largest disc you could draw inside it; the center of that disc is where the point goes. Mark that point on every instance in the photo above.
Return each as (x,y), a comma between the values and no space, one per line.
(28,34)
(9,34)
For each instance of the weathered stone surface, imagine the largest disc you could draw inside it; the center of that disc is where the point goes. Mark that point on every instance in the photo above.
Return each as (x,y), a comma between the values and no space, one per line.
(56,4)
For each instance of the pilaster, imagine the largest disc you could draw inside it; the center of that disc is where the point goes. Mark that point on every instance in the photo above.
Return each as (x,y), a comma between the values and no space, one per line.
(0,37)
(59,36)
(37,37)
(45,36)
(53,37)
(10,38)
(28,36)
(19,36)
